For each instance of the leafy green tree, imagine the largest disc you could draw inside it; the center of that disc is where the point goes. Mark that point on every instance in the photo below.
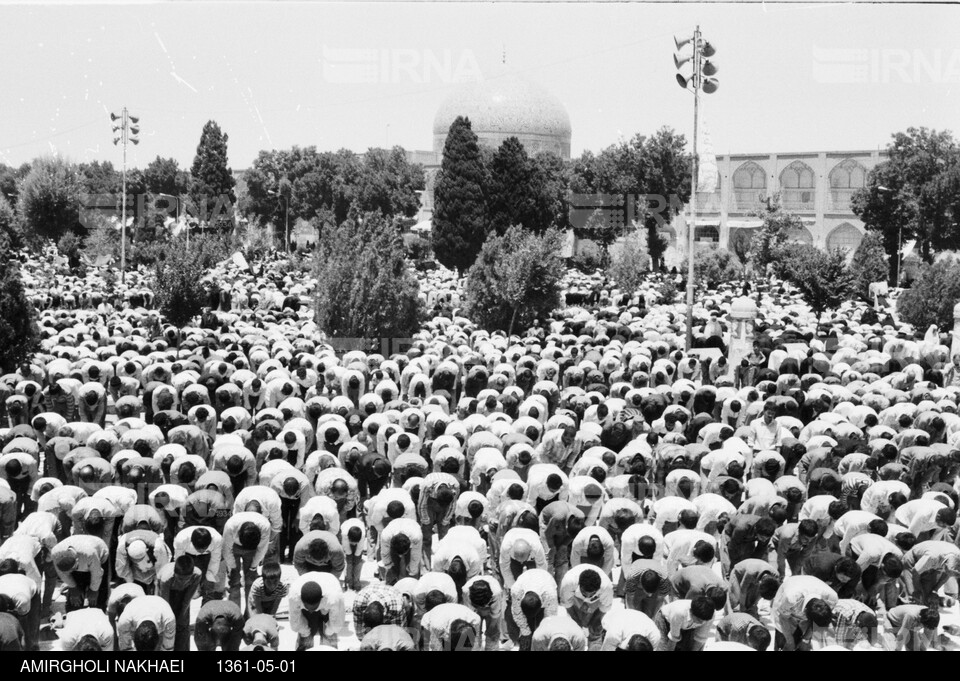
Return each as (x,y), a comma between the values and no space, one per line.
(656,167)
(389,184)
(49,200)
(599,230)
(459,215)
(869,263)
(364,287)
(164,176)
(516,280)
(10,235)
(180,291)
(912,195)
(769,240)
(19,333)
(514,189)
(10,182)
(932,297)
(551,199)
(211,185)
(630,263)
(667,171)
(740,242)
(823,279)
(99,178)
(69,247)
(103,239)
(714,266)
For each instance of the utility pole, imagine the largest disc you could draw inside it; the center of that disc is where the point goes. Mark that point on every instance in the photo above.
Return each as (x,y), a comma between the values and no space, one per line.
(703,68)
(127,129)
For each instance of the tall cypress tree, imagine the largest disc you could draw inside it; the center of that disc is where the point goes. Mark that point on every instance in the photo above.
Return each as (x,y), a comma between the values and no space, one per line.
(459,215)
(211,186)
(514,189)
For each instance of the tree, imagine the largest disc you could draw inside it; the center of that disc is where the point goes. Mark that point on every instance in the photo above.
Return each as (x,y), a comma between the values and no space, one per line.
(180,291)
(389,183)
(740,242)
(49,201)
(932,297)
(768,241)
(364,288)
(912,194)
(164,176)
(212,183)
(103,240)
(629,264)
(19,334)
(667,172)
(599,230)
(869,263)
(656,168)
(69,247)
(10,235)
(459,215)
(99,178)
(515,190)
(714,266)
(318,187)
(824,279)
(10,179)
(516,280)
(551,198)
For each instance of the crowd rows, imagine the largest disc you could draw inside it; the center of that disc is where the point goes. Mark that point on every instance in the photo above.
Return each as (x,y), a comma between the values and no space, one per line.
(586,486)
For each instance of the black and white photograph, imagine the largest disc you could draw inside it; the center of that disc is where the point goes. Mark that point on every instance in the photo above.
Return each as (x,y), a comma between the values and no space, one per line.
(476,326)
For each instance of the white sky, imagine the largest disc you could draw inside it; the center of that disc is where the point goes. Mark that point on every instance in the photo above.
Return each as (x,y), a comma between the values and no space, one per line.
(272,74)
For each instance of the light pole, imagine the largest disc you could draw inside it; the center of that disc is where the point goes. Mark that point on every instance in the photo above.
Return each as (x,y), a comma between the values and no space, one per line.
(703,68)
(127,129)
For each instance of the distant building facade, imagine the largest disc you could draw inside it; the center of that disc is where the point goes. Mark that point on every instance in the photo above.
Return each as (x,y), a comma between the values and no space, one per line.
(816,186)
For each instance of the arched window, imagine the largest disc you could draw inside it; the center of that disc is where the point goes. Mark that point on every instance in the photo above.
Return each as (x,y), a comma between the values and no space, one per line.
(845,179)
(845,236)
(749,187)
(800,234)
(798,187)
(708,233)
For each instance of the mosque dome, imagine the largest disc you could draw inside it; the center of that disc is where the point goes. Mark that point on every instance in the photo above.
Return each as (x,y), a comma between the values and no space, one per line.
(507,106)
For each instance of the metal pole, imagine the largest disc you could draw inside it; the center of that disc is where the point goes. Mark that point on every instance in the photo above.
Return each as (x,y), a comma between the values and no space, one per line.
(286,221)
(693,191)
(123,212)
(900,255)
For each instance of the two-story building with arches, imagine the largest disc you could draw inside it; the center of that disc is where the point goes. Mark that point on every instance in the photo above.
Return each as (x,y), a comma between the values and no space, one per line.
(816,186)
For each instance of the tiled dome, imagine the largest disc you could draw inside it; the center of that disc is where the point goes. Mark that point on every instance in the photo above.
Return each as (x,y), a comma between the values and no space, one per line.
(509,106)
